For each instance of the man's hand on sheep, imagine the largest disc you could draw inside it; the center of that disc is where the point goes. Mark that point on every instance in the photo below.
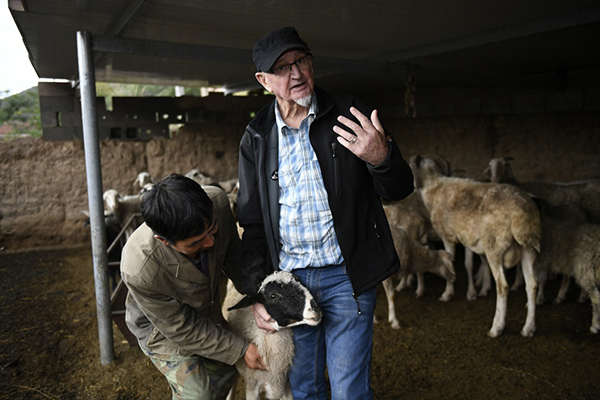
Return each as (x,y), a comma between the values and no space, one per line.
(369,142)
(253,359)
(263,319)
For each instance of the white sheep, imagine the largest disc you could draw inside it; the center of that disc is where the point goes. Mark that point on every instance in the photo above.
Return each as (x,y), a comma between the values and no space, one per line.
(573,250)
(124,209)
(290,304)
(416,259)
(144,180)
(496,220)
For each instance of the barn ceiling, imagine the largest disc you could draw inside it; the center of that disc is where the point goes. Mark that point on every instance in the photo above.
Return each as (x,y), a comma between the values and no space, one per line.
(358,45)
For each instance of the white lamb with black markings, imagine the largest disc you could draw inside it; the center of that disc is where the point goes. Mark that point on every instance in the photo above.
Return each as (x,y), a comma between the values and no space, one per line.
(290,304)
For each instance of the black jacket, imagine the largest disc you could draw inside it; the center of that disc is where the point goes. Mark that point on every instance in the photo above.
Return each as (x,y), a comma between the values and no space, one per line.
(354,190)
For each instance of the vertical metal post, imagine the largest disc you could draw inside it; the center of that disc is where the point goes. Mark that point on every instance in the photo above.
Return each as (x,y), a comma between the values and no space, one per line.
(87,81)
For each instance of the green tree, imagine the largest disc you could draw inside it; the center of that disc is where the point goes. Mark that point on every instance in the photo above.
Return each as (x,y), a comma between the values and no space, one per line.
(22,112)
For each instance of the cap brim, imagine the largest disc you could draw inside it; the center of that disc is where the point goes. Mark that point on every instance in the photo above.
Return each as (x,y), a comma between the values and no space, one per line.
(268,62)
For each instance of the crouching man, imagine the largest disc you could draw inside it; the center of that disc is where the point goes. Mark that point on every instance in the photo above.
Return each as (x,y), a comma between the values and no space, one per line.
(172,266)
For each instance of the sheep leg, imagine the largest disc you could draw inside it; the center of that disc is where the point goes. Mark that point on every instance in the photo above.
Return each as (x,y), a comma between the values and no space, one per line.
(404,283)
(487,279)
(501,296)
(595,298)
(588,285)
(518,278)
(564,287)
(420,286)
(582,296)
(471,292)
(389,293)
(449,291)
(541,277)
(479,277)
(527,262)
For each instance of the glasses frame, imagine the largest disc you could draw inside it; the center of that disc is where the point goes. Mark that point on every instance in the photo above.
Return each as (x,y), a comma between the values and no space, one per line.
(288,67)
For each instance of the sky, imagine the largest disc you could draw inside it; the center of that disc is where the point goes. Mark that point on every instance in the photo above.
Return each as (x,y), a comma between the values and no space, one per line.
(16,72)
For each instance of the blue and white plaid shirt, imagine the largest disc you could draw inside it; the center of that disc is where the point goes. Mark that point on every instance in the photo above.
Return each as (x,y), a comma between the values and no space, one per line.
(305,222)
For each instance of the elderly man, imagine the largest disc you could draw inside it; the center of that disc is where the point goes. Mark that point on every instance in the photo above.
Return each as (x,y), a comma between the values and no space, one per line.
(313,169)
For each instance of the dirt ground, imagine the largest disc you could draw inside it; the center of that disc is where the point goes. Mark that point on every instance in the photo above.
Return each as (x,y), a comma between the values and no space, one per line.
(49,342)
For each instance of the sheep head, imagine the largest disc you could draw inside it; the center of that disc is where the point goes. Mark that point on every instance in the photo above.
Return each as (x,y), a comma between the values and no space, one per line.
(500,170)
(112,199)
(286,300)
(143,179)
(431,165)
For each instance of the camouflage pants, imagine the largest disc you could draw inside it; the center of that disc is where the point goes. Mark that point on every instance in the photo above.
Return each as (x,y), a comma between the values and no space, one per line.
(195,377)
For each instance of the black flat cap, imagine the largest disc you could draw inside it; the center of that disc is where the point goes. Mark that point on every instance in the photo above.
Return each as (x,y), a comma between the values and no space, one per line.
(268,49)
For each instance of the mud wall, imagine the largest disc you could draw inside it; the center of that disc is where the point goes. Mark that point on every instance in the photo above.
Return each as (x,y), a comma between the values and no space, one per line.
(43,183)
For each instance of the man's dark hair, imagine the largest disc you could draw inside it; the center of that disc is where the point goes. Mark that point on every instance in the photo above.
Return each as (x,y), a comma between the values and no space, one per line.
(177,208)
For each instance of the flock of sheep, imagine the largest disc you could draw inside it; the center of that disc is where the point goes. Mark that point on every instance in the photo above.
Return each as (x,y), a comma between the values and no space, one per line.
(540,228)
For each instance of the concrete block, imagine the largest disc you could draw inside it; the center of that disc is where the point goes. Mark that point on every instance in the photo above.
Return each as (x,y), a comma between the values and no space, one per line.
(57,134)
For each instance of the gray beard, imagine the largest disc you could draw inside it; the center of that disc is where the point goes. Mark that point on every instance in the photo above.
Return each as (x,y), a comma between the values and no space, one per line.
(304,102)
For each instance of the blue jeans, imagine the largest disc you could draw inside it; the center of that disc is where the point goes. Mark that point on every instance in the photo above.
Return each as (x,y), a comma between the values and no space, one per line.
(342,342)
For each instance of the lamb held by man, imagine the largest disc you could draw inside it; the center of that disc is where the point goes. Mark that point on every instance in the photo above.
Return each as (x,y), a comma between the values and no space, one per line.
(290,304)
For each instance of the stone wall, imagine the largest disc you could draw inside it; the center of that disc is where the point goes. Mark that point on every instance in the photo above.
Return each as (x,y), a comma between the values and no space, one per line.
(43,183)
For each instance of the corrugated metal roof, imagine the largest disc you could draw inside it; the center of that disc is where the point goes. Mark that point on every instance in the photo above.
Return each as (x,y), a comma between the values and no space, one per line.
(363,42)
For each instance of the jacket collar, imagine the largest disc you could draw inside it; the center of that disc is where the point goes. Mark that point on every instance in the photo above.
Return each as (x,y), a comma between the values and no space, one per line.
(181,267)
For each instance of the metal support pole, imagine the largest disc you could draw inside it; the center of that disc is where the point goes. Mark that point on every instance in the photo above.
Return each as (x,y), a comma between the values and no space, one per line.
(91,143)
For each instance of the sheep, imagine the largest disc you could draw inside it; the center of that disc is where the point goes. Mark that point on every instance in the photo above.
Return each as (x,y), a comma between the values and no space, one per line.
(574,201)
(417,259)
(124,209)
(497,220)
(290,304)
(201,178)
(230,185)
(145,181)
(573,250)
(412,216)
(585,194)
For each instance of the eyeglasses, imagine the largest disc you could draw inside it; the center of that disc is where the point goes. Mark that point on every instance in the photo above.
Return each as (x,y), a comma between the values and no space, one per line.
(303,63)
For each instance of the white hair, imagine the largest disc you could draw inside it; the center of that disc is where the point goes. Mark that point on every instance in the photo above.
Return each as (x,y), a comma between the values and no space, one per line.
(305,101)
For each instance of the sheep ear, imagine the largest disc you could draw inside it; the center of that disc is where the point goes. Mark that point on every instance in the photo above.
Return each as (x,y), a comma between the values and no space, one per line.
(245,302)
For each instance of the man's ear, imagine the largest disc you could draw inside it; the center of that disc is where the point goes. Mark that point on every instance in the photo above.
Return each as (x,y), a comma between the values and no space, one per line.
(262,79)
(165,241)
